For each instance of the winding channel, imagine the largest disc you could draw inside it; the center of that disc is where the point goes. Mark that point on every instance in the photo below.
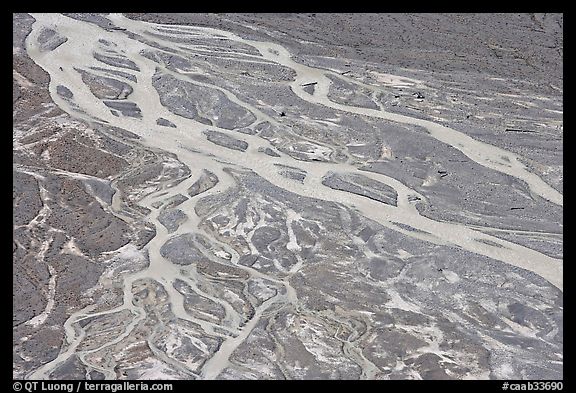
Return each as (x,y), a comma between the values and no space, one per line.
(192,148)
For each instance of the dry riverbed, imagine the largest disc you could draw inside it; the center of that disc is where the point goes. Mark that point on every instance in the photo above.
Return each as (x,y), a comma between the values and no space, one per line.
(203,201)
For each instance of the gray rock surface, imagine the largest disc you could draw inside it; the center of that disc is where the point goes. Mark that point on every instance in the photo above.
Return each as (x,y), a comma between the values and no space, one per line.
(288,196)
(225,140)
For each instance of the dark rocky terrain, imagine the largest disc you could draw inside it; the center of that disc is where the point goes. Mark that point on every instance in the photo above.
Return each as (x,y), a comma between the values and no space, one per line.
(287,196)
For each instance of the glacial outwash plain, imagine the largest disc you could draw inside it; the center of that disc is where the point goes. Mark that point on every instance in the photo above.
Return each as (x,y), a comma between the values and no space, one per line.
(287,196)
